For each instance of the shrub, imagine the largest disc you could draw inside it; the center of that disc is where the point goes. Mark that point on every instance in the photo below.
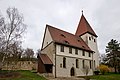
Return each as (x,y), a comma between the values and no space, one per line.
(103,69)
(96,72)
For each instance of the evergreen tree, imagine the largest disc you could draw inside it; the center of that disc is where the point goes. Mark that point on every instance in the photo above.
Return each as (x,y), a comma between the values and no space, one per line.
(113,54)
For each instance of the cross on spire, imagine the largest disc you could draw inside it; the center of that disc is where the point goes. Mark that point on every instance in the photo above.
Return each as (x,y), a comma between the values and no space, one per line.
(82,11)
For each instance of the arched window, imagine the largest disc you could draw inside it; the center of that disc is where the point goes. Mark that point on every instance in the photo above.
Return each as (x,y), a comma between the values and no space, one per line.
(94,40)
(77,63)
(89,38)
(83,62)
(64,62)
(94,64)
(90,64)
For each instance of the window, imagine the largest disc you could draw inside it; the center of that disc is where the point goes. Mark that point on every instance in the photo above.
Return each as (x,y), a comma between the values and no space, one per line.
(66,42)
(90,64)
(94,40)
(60,65)
(28,62)
(77,63)
(62,48)
(89,54)
(89,38)
(64,62)
(76,51)
(83,53)
(78,40)
(94,63)
(70,50)
(63,35)
(92,37)
(83,62)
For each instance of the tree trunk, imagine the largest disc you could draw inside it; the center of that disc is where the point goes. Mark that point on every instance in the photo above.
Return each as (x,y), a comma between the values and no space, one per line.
(1,65)
(115,69)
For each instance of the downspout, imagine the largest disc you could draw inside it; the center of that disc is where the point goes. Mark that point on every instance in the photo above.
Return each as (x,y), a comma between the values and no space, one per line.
(93,67)
(55,59)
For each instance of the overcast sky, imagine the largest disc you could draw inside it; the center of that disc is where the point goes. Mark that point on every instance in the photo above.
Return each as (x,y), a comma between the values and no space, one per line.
(103,16)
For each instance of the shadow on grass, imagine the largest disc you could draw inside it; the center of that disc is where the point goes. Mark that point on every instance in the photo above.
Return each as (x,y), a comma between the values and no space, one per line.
(19,75)
(107,76)
(9,74)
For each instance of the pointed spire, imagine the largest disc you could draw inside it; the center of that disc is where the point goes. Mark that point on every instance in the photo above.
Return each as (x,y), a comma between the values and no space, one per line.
(84,27)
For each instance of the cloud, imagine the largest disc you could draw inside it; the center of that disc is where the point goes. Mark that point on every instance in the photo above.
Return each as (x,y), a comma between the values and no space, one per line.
(108,19)
(102,15)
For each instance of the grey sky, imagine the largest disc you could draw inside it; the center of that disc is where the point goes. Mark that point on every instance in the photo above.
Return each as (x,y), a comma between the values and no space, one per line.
(103,16)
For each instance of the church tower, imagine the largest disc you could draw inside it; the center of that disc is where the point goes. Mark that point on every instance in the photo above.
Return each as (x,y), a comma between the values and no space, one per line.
(85,31)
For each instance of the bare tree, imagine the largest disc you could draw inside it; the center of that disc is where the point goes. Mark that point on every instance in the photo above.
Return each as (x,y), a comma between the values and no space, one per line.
(11,30)
(15,51)
(29,53)
(86,70)
(38,52)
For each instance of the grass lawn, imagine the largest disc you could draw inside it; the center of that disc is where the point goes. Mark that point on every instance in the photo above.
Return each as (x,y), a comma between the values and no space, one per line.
(25,75)
(109,76)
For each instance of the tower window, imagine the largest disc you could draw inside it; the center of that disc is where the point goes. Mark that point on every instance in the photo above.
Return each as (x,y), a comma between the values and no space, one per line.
(76,51)
(70,50)
(89,38)
(94,40)
(64,62)
(62,48)
(92,37)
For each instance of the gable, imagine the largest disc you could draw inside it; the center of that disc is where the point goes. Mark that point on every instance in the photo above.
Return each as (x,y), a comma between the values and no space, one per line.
(47,39)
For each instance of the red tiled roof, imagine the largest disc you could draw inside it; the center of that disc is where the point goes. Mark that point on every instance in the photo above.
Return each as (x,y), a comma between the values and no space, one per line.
(84,27)
(45,59)
(64,37)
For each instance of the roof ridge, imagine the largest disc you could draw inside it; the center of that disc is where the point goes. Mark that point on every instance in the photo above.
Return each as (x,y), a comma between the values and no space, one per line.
(60,30)
(72,39)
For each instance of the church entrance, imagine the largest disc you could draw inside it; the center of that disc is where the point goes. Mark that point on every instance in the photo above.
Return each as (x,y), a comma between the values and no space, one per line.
(72,72)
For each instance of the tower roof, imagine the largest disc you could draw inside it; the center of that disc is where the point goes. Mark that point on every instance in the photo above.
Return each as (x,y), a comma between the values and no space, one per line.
(84,27)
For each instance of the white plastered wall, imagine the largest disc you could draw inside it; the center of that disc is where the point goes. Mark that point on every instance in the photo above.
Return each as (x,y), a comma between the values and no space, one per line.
(70,62)
(47,38)
(93,46)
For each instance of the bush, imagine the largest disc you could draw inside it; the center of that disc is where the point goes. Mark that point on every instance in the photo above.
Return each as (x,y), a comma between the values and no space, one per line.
(87,78)
(96,72)
(103,69)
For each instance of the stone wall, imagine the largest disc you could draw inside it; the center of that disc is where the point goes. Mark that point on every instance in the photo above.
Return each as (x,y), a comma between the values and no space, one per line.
(21,65)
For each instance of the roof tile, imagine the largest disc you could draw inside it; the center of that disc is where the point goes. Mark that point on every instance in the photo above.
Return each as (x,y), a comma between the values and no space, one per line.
(84,27)
(67,38)
(45,59)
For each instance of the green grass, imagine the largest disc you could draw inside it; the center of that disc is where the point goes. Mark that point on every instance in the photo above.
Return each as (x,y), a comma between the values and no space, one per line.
(109,76)
(25,75)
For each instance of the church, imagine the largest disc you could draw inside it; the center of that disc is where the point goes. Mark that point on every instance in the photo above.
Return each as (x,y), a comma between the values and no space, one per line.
(64,54)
